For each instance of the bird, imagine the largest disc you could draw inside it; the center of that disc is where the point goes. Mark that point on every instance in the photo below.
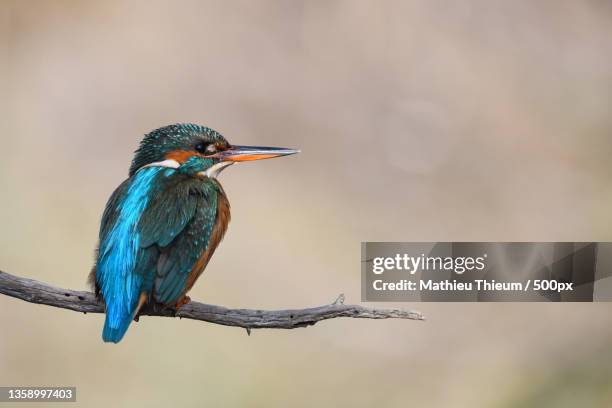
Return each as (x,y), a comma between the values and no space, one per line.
(161,226)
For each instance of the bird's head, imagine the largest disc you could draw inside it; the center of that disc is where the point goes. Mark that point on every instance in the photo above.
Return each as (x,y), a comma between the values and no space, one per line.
(196,149)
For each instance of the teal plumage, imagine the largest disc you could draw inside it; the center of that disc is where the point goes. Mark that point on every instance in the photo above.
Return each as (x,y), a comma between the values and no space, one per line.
(141,249)
(161,225)
(118,268)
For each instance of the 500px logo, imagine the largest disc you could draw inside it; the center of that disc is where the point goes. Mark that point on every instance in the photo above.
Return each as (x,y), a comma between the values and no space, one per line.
(412,264)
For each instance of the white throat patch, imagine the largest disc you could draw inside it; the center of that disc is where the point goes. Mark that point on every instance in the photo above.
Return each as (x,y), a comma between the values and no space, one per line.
(214,170)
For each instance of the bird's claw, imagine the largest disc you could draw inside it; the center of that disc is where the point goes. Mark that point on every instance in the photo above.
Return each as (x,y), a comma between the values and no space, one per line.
(182,302)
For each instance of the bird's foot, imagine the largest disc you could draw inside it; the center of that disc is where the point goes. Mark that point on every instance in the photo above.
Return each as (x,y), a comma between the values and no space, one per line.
(182,302)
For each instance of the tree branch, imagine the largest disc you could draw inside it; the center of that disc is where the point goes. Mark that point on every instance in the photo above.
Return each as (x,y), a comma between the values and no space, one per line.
(37,292)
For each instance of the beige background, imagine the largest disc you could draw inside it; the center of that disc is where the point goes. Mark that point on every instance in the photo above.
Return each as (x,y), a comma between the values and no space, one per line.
(417,120)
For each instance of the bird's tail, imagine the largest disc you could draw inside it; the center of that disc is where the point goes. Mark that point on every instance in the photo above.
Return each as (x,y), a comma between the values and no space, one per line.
(114,331)
(118,320)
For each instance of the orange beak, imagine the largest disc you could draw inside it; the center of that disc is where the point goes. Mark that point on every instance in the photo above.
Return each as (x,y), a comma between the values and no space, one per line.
(248,153)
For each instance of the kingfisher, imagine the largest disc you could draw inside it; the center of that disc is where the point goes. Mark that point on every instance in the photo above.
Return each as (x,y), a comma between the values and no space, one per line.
(161,226)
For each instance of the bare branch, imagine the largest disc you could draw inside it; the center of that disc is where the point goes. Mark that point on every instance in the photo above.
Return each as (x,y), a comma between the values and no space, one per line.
(38,292)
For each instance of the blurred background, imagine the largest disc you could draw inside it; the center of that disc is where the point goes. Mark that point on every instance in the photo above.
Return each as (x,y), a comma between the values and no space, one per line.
(417,120)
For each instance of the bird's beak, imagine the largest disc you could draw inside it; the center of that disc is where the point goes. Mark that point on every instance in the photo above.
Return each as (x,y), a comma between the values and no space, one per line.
(248,153)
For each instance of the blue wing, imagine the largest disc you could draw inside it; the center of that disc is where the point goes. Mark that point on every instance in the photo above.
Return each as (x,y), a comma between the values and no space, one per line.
(122,266)
(179,224)
(154,228)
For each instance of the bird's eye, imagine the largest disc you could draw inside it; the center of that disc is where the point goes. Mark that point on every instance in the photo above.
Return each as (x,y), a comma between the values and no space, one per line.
(206,148)
(201,147)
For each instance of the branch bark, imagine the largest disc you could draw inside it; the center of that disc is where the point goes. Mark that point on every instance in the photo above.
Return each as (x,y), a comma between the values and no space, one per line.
(38,292)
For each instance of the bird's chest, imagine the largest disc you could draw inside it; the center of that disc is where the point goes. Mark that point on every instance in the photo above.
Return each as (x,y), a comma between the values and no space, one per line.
(210,225)
(213,213)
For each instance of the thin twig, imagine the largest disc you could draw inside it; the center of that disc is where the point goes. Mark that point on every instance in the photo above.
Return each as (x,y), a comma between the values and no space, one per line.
(37,292)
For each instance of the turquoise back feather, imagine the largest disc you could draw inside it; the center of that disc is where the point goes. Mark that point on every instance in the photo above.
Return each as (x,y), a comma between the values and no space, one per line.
(120,286)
